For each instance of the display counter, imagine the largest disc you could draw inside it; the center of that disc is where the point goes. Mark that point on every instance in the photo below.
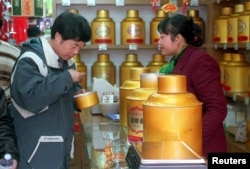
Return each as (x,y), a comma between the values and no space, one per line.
(94,138)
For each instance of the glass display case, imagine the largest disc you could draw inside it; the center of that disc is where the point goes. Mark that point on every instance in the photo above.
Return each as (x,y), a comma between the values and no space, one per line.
(106,145)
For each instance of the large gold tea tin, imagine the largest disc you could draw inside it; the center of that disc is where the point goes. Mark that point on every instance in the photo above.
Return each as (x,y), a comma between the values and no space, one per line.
(104,68)
(157,62)
(148,85)
(126,89)
(173,114)
(103,28)
(154,34)
(225,59)
(132,28)
(236,74)
(221,25)
(233,24)
(81,67)
(130,61)
(194,14)
(244,25)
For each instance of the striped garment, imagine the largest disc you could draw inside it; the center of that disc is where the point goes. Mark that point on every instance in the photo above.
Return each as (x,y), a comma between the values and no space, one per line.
(8,56)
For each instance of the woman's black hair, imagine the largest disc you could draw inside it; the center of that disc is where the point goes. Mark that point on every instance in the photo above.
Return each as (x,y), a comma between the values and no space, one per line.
(180,24)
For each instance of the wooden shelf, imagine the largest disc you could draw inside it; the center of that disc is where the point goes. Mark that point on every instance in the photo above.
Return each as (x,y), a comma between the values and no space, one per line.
(244,97)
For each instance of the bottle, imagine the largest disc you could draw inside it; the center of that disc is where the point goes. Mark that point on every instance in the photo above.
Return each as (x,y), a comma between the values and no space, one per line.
(157,62)
(199,21)
(103,28)
(104,68)
(81,67)
(221,25)
(130,61)
(154,34)
(132,28)
(6,162)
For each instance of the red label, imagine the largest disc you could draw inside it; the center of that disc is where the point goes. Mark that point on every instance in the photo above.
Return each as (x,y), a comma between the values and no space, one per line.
(137,41)
(103,41)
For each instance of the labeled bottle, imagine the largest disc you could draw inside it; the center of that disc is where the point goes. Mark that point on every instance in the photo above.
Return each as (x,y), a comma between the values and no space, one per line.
(154,34)
(103,28)
(104,68)
(221,25)
(130,61)
(157,62)
(81,67)
(233,24)
(243,25)
(148,85)
(126,89)
(6,162)
(198,20)
(225,59)
(132,28)
(236,74)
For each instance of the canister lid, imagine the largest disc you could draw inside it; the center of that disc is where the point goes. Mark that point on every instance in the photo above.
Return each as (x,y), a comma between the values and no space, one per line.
(161,13)
(141,93)
(135,72)
(75,11)
(172,84)
(103,13)
(103,57)
(158,58)
(132,13)
(131,57)
(238,8)
(149,80)
(226,10)
(226,57)
(192,13)
(247,6)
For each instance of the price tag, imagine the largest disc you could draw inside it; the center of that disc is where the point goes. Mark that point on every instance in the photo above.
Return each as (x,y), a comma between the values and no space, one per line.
(247,46)
(108,97)
(102,47)
(119,2)
(225,46)
(90,2)
(236,46)
(194,3)
(215,46)
(234,97)
(246,101)
(65,2)
(133,47)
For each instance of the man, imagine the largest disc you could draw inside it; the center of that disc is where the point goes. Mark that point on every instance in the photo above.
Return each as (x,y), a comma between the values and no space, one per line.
(7,133)
(44,82)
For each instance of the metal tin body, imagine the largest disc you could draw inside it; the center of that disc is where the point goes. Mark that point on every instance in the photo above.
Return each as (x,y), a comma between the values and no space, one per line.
(221,24)
(126,89)
(103,28)
(236,74)
(244,25)
(154,34)
(132,29)
(81,67)
(198,20)
(148,85)
(104,68)
(225,59)
(157,62)
(233,24)
(130,61)
(173,114)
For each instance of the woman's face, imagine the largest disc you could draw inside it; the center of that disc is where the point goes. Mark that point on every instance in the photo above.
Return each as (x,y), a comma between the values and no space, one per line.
(167,46)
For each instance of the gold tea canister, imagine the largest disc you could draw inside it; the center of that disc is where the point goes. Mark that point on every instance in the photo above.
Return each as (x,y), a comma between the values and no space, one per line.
(126,88)
(173,114)
(81,67)
(132,28)
(244,25)
(157,62)
(226,57)
(148,85)
(131,60)
(103,28)
(86,100)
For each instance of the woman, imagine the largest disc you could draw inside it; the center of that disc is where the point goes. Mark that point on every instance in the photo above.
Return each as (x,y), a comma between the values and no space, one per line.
(180,37)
